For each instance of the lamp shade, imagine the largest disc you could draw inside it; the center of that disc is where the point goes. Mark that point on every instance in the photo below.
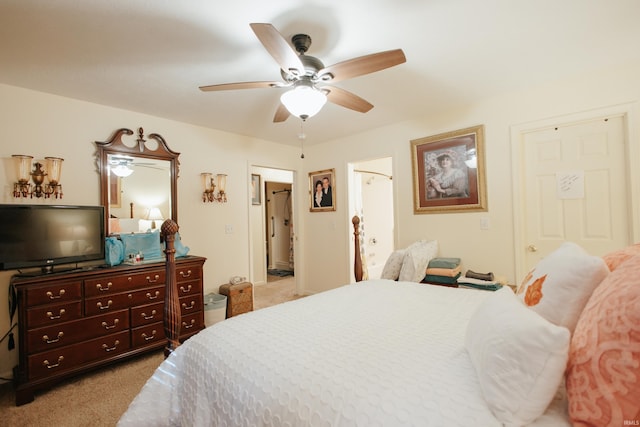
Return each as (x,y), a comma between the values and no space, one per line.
(154,214)
(206,181)
(54,169)
(23,167)
(304,101)
(222,182)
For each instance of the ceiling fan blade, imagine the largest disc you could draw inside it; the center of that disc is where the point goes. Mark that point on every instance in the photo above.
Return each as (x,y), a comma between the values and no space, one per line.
(278,48)
(282,114)
(242,85)
(362,65)
(347,99)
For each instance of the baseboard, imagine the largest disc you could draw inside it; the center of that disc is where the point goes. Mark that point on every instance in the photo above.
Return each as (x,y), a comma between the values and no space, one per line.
(7,374)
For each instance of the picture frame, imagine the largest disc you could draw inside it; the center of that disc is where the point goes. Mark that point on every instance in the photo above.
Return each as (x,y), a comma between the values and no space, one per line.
(449,172)
(256,189)
(115,190)
(322,190)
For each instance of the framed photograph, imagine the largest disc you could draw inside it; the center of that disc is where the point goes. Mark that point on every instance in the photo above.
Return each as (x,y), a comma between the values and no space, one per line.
(322,191)
(448,172)
(115,190)
(256,189)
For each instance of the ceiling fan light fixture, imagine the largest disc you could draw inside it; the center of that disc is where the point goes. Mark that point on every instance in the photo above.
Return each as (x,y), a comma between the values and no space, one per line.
(304,100)
(122,171)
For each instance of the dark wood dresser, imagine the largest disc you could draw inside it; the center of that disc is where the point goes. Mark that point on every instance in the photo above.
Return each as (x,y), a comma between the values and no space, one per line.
(77,321)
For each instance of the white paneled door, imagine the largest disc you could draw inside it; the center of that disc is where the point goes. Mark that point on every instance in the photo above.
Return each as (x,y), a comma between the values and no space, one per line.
(575,188)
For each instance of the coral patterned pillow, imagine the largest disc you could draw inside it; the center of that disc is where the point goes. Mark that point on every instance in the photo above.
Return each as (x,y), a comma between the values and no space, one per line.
(561,283)
(614,259)
(603,373)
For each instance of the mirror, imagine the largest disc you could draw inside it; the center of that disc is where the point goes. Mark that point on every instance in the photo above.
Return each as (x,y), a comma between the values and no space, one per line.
(138,182)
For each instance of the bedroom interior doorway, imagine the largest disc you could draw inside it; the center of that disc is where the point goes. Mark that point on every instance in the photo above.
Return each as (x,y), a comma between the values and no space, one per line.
(272,223)
(371,197)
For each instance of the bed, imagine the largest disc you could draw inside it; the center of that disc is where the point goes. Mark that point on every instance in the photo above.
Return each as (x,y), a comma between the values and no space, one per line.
(389,353)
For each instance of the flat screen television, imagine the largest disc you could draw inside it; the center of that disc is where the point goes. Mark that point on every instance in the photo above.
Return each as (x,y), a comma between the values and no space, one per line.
(47,236)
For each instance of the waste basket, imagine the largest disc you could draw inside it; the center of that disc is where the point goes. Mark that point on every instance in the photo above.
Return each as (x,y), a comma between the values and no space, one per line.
(215,308)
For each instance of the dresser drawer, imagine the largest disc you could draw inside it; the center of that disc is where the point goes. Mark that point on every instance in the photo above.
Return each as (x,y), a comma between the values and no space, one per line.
(192,287)
(148,334)
(53,314)
(56,293)
(59,360)
(50,337)
(190,304)
(110,303)
(146,314)
(188,272)
(109,285)
(191,323)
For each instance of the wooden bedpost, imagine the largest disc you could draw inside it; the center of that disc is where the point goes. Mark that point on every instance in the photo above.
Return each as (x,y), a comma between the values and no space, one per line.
(357,264)
(172,315)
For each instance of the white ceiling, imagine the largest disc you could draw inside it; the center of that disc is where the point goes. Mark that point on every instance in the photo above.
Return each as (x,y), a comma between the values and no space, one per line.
(150,56)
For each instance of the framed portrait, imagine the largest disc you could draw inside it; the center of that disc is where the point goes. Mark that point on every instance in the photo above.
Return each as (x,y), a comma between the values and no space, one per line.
(448,172)
(115,190)
(256,189)
(322,191)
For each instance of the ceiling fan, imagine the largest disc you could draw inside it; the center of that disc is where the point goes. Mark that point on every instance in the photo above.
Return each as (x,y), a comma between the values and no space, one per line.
(308,77)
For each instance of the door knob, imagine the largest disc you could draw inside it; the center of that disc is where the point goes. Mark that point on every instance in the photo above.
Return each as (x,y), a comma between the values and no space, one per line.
(532,248)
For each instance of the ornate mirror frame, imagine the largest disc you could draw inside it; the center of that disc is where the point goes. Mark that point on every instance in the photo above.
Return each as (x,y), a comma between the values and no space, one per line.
(154,148)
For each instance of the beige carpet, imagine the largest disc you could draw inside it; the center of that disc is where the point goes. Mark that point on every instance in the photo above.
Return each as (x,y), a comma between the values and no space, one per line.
(101,397)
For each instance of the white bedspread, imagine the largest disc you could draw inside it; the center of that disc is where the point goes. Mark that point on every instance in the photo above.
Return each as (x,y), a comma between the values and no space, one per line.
(376,353)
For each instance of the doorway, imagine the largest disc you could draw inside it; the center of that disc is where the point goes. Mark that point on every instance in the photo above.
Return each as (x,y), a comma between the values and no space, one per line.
(261,209)
(372,200)
(279,230)
(573,184)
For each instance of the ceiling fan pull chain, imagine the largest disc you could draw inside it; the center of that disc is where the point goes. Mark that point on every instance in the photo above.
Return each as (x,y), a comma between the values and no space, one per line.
(302,137)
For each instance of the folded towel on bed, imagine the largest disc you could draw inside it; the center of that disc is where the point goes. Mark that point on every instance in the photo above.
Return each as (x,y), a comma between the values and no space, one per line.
(470,282)
(432,278)
(447,272)
(444,263)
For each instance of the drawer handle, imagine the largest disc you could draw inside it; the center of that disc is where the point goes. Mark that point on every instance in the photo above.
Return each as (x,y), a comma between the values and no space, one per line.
(154,280)
(187,274)
(52,317)
(157,294)
(186,326)
(46,363)
(101,289)
(145,317)
(149,337)
(51,296)
(189,307)
(115,323)
(46,338)
(104,307)
(107,348)
(187,290)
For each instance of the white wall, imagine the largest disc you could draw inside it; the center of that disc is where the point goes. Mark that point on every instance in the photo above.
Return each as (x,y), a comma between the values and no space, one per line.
(45,125)
(42,125)
(459,234)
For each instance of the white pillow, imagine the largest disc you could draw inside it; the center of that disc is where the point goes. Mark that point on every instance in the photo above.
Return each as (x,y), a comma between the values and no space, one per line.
(561,283)
(393,265)
(519,357)
(416,259)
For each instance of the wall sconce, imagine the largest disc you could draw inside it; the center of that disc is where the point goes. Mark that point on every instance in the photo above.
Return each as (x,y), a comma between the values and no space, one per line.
(209,194)
(23,188)
(54,168)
